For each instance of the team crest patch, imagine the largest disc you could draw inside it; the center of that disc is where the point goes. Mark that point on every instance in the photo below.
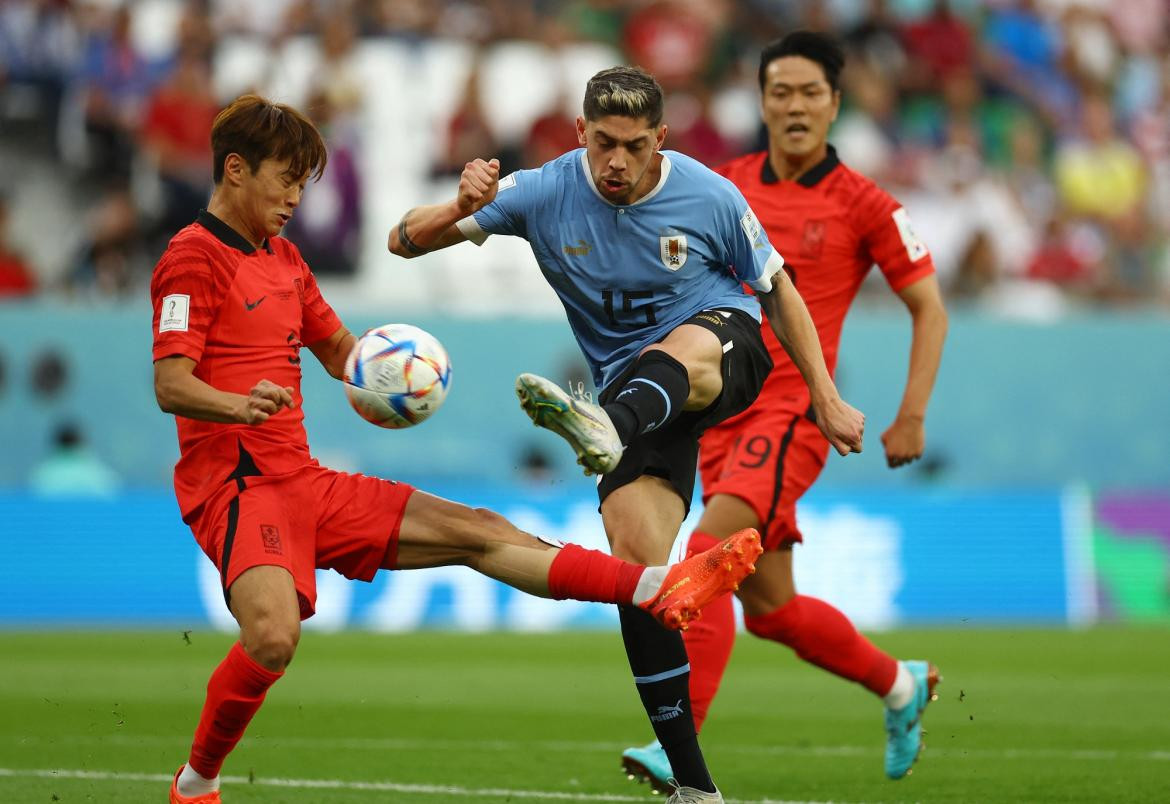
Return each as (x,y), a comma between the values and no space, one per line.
(672,248)
(271,538)
(813,241)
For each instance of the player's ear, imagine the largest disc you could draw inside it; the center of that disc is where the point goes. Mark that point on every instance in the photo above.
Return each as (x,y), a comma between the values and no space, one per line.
(233,168)
(580,130)
(660,137)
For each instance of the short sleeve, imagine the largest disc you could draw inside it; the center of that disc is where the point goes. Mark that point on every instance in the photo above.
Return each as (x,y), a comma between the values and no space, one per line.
(185,298)
(752,256)
(318,320)
(888,236)
(507,214)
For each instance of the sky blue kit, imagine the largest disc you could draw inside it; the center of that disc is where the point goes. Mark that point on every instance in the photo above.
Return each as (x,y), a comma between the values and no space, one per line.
(628,275)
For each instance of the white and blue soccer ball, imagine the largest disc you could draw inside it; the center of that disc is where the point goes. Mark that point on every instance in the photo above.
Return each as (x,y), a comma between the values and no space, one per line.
(397,375)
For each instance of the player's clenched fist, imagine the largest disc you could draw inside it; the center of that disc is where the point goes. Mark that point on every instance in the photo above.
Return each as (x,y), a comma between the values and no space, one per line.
(843,425)
(265,399)
(478,184)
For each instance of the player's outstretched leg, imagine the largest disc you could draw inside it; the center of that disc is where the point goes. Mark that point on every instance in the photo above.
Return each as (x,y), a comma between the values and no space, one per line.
(583,424)
(904,725)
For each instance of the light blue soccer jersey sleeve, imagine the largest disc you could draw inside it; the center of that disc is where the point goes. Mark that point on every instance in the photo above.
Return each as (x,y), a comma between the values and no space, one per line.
(507,214)
(752,257)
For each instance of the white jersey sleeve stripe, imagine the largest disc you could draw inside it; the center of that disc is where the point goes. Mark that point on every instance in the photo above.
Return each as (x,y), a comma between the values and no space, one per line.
(774,264)
(472,230)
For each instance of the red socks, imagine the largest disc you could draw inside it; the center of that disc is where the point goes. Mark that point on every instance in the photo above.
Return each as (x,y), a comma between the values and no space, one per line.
(582,574)
(708,641)
(822,635)
(234,693)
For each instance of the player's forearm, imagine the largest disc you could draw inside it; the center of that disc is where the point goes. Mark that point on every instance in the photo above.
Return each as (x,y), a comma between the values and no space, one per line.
(188,396)
(926,346)
(421,228)
(794,328)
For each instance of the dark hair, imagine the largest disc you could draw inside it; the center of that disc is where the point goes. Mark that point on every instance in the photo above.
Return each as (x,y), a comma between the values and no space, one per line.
(258,129)
(624,91)
(812,45)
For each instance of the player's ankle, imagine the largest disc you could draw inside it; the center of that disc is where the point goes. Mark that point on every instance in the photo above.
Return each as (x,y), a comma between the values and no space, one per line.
(901,691)
(650,584)
(191,783)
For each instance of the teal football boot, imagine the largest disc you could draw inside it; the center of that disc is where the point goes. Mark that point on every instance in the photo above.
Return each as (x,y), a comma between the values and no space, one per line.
(904,726)
(649,764)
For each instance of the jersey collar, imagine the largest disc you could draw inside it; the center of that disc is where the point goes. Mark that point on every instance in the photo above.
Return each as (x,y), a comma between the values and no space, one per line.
(657,188)
(227,235)
(810,178)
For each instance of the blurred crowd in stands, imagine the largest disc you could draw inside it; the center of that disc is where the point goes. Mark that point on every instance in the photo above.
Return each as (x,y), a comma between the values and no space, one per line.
(1029,139)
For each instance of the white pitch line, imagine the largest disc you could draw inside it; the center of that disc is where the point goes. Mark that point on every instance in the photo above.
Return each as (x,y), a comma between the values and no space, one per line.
(376,787)
(599,747)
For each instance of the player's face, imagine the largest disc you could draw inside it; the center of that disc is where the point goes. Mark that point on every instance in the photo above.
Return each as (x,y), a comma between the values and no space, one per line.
(270,196)
(798,105)
(621,151)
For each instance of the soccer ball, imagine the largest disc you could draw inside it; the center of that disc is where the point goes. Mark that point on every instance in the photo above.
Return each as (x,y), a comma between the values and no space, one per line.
(397,375)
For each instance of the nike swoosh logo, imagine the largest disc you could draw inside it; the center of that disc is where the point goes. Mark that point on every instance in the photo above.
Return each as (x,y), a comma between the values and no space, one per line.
(255,304)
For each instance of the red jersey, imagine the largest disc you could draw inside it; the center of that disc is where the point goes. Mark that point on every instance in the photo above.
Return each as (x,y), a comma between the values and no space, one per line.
(242,314)
(830,225)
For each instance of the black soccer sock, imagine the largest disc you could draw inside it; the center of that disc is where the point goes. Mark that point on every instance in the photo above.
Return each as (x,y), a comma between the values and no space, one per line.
(651,398)
(658,660)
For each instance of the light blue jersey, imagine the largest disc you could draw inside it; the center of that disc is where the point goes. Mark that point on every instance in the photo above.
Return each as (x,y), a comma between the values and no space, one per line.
(628,275)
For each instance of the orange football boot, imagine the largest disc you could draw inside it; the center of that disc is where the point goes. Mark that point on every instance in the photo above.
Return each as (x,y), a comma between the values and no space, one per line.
(179,798)
(692,584)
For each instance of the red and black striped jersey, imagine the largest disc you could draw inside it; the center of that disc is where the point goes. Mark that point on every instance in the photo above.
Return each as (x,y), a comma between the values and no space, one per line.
(242,314)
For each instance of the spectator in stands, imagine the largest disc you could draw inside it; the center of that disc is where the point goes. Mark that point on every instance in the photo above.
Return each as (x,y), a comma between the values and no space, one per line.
(469,135)
(176,134)
(938,46)
(1099,175)
(16,276)
(327,226)
(115,81)
(38,41)
(111,262)
(72,469)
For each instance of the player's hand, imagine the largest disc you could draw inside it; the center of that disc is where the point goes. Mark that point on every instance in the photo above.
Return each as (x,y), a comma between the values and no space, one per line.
(264,400)
(478,185)
(842,424)
(904,440)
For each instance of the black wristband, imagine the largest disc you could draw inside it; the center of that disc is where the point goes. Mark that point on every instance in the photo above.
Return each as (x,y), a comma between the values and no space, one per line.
(404,239)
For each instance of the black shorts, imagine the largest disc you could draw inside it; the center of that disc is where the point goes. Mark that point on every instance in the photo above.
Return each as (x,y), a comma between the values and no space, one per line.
(672,452)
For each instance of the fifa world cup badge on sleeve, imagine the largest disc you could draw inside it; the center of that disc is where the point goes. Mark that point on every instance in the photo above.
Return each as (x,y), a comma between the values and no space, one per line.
(173,315)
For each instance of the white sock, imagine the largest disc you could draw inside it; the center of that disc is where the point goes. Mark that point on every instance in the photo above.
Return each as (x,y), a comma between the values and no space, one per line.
(649,584)
(902,692)
(192,784)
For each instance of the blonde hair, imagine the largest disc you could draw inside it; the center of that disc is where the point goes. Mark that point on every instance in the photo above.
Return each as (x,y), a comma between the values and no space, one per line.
(626,92)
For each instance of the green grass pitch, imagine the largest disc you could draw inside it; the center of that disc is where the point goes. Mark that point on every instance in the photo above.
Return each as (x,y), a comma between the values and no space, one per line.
(1023,715)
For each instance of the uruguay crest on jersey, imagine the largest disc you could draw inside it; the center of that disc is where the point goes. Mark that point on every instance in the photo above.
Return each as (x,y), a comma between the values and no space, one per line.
(672,248)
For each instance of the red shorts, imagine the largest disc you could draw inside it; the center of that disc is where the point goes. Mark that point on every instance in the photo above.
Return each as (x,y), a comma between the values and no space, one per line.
(313,518)
(768,458)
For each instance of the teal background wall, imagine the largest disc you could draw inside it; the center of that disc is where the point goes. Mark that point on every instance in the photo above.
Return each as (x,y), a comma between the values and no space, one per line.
(1017,405)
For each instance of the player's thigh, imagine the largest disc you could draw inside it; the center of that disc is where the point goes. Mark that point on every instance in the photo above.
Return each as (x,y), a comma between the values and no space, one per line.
(771,585)
(725,514)
(437,532)
(745,460)
(264,602)
(642,519)
(359,521)
(701,353)
(264,525)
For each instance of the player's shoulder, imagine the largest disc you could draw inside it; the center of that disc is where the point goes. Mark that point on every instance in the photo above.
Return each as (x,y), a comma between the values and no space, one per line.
(191,247)
(746,167)
(694,174)
(857,190)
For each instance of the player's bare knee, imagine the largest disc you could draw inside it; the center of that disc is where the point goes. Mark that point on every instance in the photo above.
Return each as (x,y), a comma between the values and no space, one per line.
(495,527)
(271,643)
